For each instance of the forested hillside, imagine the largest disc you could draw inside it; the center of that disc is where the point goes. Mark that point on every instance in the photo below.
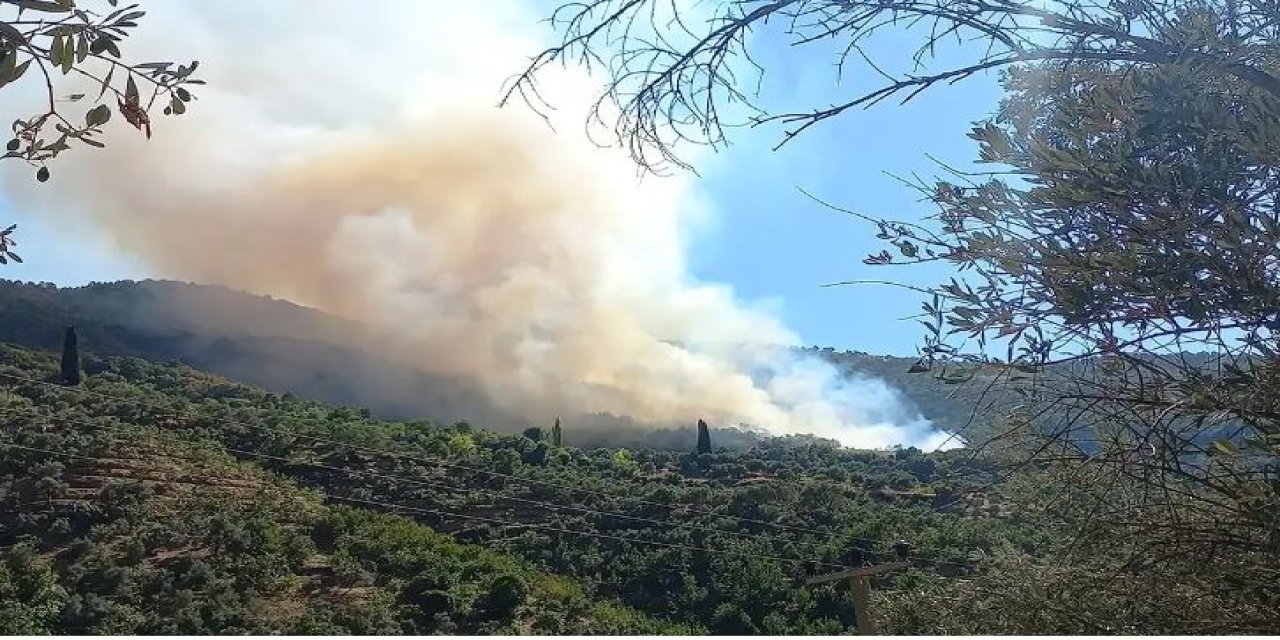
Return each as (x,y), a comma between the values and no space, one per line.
(118,521)
(277,344)
(626,525)
(154,498)
(1098,300)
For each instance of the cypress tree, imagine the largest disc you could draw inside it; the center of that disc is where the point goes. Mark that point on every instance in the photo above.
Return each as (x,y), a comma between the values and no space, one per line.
(70,358)
(555,433)
(704,437)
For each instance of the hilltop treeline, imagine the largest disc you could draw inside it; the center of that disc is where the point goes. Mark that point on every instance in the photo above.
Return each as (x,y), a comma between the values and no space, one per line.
(287,348)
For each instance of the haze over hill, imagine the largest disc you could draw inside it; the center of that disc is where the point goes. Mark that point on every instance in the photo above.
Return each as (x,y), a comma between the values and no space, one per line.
(474,243)
(290,348)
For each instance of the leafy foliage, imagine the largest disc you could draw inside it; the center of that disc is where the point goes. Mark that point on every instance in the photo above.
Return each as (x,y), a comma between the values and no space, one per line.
(568,532)
(63,36)
(70,37)
(1143,225)
(597,517)
(1115,280)
(1133,221)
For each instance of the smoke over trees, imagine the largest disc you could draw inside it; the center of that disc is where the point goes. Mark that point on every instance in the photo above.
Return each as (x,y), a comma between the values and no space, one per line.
(536,265)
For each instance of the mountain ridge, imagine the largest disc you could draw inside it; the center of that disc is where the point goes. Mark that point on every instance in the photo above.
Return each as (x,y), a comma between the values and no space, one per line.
(291,348)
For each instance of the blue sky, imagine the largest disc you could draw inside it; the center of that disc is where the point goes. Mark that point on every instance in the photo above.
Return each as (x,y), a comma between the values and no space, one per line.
(769,242)
(773,242)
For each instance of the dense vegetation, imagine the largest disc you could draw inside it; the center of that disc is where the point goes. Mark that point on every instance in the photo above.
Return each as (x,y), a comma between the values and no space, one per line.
(114,523)
(199,504)
(1111,273)
(1111,334)
(250,457)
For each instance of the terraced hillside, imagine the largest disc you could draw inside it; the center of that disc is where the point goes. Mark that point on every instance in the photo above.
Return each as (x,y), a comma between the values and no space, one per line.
(144,471)
(159,499)
(115,524)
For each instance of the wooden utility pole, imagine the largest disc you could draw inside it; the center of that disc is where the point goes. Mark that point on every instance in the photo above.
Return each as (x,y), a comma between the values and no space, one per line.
(860,583)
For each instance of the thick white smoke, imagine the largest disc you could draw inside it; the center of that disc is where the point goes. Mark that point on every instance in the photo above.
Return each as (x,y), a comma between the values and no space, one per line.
(350,156)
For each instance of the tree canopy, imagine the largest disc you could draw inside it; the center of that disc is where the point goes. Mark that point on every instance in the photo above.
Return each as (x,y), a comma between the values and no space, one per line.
(70,38)
(1116,267)
(77,43)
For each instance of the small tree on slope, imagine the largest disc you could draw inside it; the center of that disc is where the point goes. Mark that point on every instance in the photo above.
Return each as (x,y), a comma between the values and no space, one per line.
(70,358)
(704,437)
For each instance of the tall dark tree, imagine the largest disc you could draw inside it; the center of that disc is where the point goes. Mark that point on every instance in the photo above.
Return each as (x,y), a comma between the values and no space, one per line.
(70,358)
(556,434)
(704,437)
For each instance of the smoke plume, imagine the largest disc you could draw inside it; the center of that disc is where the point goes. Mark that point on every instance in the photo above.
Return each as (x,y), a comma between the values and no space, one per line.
(350,157)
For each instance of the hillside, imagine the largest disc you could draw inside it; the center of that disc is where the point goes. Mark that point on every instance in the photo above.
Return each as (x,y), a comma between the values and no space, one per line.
(112,525)
(273,343)
(158,499)
(252,460)
(292,349)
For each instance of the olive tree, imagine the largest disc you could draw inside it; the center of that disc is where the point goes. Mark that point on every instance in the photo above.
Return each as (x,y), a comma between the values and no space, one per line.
(51,41)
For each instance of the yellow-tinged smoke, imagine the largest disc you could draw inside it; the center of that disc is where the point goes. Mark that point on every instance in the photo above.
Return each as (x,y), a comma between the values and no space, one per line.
(356,163)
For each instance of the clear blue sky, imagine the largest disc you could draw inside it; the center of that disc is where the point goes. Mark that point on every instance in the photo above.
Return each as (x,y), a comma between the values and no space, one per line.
(770,242)
(774,242)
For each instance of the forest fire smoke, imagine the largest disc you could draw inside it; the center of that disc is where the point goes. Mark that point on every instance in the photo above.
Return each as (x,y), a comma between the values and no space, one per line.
(383,185)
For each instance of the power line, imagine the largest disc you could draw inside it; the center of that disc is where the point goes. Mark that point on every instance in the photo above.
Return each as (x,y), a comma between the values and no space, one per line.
(428,483)
(394,454)
(494,474)
(416,458)
(441,512)
(552,505)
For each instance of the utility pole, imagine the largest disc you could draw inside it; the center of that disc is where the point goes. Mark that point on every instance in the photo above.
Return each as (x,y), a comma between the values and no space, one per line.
(860,584)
